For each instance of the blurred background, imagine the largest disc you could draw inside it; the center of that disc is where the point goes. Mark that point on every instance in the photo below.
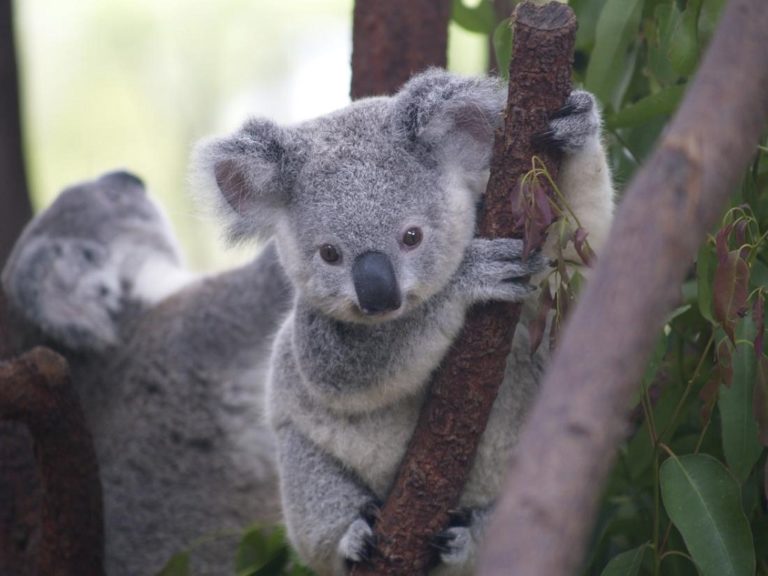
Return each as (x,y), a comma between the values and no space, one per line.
(134,83)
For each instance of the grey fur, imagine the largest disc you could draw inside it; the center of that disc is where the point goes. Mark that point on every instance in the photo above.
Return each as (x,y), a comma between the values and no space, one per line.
(346,386)
(172,387)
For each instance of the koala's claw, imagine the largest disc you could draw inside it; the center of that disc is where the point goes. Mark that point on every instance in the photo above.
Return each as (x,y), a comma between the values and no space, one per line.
(358,543)
(454,545)
(571,127)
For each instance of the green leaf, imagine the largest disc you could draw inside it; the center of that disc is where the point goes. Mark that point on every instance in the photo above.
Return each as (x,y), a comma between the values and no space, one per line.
(262,551)
(705,274)
(617,30)
(479,19)
(704,503)
(663,103)
(588,12)
(502,46)
(684,45)
(741,443)
(178,565)
(627,563)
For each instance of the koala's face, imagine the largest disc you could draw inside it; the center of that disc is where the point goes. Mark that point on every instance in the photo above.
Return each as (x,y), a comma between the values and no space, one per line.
(373,206)
(371,231)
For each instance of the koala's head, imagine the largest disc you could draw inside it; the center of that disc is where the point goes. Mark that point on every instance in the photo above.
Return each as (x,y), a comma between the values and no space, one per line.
(372,206)
(72,267)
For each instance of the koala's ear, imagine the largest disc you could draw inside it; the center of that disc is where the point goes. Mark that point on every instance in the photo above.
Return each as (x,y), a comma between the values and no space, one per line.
(452,117)
(65,288)
(240,176)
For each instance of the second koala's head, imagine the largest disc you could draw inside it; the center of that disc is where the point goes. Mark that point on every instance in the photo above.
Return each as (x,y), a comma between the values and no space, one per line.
(78,261)
(372,206)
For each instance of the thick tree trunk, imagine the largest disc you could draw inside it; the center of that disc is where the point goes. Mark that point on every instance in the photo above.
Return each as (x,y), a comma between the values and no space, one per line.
(440,456)
(35,390)
(392,40)
(15,209)
(568,446)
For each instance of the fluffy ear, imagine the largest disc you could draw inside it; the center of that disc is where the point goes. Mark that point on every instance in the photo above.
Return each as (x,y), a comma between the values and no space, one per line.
(240,176)
(451,117)
(67,289)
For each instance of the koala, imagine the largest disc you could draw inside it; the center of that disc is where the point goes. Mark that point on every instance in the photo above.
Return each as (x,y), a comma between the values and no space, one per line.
(169,367)
(373,210)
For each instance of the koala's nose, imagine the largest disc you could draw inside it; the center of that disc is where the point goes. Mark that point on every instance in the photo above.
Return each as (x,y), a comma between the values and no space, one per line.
(375,283)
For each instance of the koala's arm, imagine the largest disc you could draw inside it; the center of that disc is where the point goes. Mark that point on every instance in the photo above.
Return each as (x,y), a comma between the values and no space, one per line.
(585,178)
(324,505)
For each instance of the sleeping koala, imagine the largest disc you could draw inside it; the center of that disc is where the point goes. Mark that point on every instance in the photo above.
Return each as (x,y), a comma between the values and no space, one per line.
(168,367)
(373,209)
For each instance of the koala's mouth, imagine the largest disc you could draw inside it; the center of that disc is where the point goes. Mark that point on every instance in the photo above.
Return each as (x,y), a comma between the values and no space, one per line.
(376,317)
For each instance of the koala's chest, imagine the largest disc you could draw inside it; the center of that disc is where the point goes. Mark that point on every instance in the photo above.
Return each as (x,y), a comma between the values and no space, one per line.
(370,444)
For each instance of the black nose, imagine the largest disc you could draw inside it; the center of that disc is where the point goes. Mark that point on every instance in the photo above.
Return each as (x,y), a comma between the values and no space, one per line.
(375,283)
(122,178)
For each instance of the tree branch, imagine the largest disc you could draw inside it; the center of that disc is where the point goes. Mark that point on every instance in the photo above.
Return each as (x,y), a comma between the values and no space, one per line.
(441,453)
(35,389)
(568,446)
(392,40)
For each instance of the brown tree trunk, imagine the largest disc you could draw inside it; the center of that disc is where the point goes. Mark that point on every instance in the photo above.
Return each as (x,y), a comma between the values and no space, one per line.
(19,483)
(440,456)
(35,390)
(15,209)
(394,39)
(568,446)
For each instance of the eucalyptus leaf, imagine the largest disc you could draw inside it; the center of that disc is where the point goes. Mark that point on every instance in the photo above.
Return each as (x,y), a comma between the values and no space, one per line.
(178,565)
(741,444)
(663,103)
(684,45)
(704,503)
(617,30)
(627,563)
(705,275)
(480,18)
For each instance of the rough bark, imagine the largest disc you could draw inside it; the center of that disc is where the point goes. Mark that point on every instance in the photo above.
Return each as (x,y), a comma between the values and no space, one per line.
(394,39)
(440,456)
(569,443)
(35,390)
(15,209)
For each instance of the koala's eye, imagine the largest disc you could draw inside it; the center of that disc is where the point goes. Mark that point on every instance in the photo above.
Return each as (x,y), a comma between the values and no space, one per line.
(412,237)
(329,253)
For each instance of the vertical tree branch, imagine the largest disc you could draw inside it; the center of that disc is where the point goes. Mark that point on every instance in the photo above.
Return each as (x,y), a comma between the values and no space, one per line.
(15,209)
(568,446)
(441,453)
(35,389)
(394,39)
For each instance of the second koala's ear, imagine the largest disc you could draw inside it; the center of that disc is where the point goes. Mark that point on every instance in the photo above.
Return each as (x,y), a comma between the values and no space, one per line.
(240,175)
(452,117)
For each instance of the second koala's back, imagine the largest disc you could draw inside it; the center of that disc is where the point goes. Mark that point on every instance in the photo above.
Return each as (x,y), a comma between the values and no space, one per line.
(170,380)
(180,435)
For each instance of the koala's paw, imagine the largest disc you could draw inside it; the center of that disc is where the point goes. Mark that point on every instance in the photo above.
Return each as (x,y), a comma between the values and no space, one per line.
(574,125)
(358,543)
(495,270)
(455,545)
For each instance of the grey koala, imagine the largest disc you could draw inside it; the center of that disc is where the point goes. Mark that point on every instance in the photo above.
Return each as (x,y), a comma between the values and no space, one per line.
(373,209)
(169,367)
